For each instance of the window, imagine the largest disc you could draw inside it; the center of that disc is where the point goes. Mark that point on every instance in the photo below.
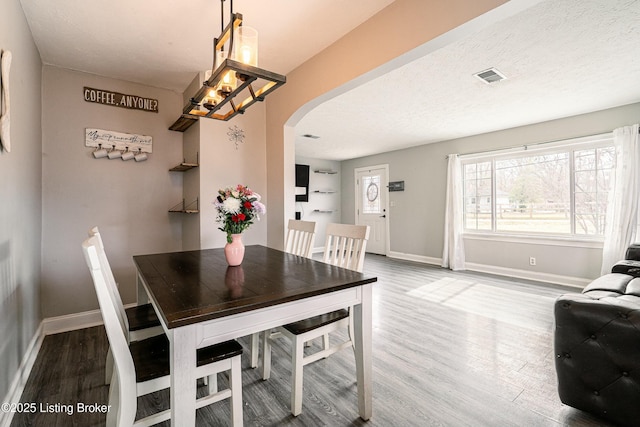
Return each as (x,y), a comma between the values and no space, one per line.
(555,191)
(370,193)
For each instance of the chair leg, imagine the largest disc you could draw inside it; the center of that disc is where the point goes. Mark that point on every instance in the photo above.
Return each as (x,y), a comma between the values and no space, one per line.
(255,343)
(297,355)
(113,414)
(266,355)
(235,382)
(108,367)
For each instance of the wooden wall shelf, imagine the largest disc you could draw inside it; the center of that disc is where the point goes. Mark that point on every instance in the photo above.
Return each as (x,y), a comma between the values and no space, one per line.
(185,166)
(182,167)
(183,207)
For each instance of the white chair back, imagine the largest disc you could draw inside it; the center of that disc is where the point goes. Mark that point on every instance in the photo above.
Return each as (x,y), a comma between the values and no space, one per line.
(300,237)
(124,381)
(111,281)
(345,245)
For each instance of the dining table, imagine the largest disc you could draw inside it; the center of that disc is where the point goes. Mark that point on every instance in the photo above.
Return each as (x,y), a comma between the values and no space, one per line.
(201,301)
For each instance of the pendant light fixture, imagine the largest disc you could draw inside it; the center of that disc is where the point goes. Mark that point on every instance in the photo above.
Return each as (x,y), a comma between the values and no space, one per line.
(234,82)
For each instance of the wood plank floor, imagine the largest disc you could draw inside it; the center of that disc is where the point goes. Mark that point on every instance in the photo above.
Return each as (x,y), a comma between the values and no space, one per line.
(450,349)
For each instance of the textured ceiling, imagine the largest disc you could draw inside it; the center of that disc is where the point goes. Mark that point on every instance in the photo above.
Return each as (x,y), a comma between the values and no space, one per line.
(164,43)
(561,58)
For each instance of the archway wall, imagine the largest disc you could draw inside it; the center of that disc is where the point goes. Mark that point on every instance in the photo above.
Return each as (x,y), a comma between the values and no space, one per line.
(398,34)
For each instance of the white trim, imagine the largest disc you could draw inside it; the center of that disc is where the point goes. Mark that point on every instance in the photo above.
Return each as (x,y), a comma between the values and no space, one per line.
(75,321)
(71,322)
(568,241)
(577,282)
(417,258)
(22,375)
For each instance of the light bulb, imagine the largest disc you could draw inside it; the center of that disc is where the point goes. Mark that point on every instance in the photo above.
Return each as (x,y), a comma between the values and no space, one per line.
(246,45)
(246,54)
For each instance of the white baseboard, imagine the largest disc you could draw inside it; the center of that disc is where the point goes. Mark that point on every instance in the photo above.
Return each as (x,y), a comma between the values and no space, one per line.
(577,282)
(75,321)
(417,258)
(71,322)
(22,375)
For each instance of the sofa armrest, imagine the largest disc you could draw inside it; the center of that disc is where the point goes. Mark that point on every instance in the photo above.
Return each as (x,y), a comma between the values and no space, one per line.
(597,349)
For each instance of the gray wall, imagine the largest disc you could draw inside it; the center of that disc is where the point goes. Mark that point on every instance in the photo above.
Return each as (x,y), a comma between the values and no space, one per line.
(417,215)
(20,198)
(129,201)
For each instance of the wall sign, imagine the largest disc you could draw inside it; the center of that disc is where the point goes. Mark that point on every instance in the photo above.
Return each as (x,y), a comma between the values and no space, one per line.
(119,141)
(107,97)
(396,186)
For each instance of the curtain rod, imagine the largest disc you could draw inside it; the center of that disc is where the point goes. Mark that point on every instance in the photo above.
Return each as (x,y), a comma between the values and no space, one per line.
(527,146)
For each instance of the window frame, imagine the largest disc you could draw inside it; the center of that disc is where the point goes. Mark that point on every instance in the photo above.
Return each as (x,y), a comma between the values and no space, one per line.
(569,146)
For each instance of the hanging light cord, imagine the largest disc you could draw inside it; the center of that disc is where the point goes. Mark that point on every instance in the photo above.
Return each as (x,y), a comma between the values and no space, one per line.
(222,13)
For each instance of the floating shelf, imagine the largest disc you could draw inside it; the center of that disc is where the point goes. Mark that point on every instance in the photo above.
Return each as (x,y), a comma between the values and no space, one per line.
(184,122)
(324,191)
(325,210)
(183,207)
(185,166)
(326,171)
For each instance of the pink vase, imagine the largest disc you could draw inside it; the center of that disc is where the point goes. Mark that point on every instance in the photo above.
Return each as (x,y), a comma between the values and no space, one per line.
(234,251)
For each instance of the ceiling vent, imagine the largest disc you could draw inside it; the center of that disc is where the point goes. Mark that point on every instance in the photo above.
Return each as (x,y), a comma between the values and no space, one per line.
(490,76)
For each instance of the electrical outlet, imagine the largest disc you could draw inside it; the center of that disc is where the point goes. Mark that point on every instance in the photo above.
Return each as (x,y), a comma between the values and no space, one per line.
(532,261)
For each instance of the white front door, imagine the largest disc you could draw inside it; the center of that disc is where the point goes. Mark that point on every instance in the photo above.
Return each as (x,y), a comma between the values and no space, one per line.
(371,205)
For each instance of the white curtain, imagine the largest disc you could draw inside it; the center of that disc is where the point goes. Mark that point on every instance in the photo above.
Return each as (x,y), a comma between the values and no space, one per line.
(453,253)
(622,207)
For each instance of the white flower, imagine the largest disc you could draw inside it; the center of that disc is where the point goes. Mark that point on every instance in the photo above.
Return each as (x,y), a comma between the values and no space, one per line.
(256,196)
(231,205)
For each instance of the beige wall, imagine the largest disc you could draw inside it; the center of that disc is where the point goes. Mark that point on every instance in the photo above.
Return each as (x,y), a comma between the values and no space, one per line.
(129,201)
(401,27)
(20,198)
(223,165)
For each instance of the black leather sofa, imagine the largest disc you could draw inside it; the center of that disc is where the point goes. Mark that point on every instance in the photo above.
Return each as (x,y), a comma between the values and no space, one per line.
(597,344)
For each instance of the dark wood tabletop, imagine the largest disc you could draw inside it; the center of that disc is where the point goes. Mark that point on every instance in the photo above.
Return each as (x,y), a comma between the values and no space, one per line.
(195,286)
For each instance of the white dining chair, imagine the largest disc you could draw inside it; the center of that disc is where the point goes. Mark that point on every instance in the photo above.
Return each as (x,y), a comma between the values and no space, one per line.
(140,321)
(300,238)
(142,367)
(345,247)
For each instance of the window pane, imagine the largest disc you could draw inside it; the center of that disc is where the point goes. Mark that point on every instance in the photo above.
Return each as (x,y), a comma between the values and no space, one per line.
(532,194)
(592,177)
(477,196)
(370,194)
